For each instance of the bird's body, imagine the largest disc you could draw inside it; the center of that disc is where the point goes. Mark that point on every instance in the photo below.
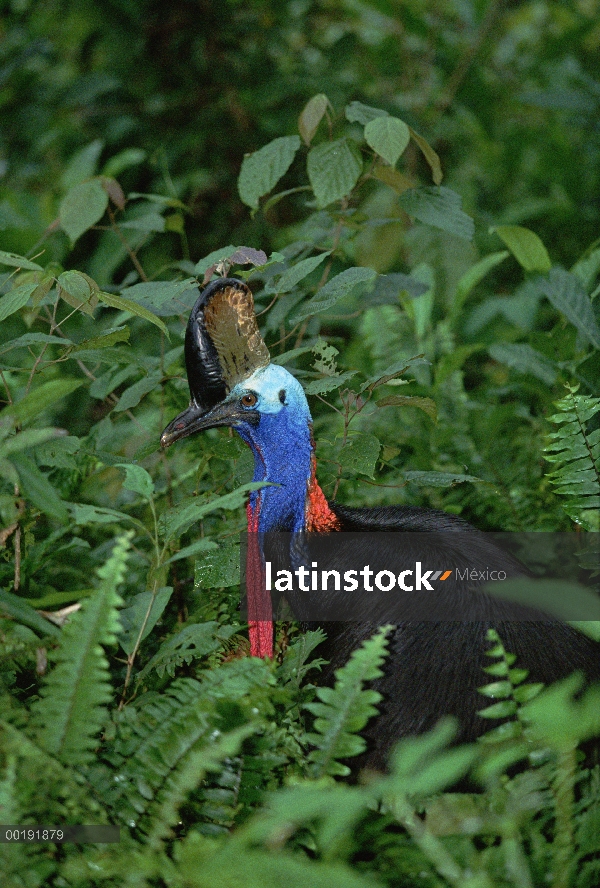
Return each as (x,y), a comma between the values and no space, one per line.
(433,668)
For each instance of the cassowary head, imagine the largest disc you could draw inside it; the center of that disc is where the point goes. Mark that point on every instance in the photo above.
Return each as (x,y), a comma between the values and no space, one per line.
(232,383)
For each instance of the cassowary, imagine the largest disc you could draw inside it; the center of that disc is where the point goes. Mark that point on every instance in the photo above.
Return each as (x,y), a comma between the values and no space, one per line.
(433,668)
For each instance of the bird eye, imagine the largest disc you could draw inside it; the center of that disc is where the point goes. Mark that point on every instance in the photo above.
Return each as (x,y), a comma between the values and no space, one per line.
(249,399)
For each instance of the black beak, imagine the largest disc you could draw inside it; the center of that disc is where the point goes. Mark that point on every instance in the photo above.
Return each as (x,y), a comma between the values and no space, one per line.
(194,419)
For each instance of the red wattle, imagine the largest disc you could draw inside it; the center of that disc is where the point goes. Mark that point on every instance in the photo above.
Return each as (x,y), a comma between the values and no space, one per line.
(260,611)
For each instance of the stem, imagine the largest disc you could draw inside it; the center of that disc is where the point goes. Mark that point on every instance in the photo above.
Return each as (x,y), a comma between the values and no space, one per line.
(138,641)
(564,800)
(125,243)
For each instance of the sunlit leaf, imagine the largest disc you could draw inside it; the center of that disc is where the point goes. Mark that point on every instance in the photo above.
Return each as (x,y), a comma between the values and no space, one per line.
(311,116)
(388,136)
(526,247)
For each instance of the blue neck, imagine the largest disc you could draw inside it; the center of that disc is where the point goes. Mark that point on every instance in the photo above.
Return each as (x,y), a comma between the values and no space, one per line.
(282,451)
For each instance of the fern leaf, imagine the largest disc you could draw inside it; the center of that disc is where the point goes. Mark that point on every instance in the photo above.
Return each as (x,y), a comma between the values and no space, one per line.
(180,735)
(575,450)
(208,756)
(71,711)
(344,710)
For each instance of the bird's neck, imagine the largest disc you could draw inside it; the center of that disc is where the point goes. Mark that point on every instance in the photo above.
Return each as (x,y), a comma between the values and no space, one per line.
(284,457)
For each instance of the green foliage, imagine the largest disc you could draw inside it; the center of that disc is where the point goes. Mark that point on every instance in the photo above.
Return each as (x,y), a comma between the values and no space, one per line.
(344,710)
(70,711)
(575,450)
(123,137)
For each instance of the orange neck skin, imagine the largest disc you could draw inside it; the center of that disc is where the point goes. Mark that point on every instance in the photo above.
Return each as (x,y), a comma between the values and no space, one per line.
(320,518)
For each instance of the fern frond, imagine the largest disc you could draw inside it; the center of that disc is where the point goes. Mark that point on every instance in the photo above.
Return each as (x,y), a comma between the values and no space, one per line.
(70,711)
(44,789)
(575,450)
(344,710)
(180,735)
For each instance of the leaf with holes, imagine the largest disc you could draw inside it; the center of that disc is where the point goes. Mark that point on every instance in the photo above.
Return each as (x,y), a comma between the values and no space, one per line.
(360,455)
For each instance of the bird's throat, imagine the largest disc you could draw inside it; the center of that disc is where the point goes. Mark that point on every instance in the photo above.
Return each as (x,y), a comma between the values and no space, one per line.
(295,503)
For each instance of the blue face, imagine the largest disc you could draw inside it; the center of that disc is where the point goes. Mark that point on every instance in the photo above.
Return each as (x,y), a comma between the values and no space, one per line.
(280,442)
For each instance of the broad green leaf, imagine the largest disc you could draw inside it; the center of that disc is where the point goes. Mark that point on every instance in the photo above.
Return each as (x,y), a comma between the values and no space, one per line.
(213,258)
(360,454)
(526,247)
(132,396)
(566,293)
(36,488)
(588,268)
(58,452)
(356,112)
(14,606)
(180,518)
(78,291)
(82,164)
(106,383)
(430,156)
(26,440)
(438,479)
(137,479)
(121,334)
(427,405)
(524,359)
(123,160)
(474,275)
(84,514)
(82,206)
(133,307)
(560,716)
(196,548)
(33,339)
(263,169)
(40,398)
(333,170)
(218,570)
(311,116)
(337,288)
(135,616)
(161,199)
(16,261)
(15,300)
(163,298)
(560,598)
(328,383)
(152,221)
(591,628)
(388,136)
(439,207)
(298,272)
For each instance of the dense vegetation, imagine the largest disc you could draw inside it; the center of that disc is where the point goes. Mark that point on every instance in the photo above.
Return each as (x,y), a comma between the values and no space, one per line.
(412,195)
